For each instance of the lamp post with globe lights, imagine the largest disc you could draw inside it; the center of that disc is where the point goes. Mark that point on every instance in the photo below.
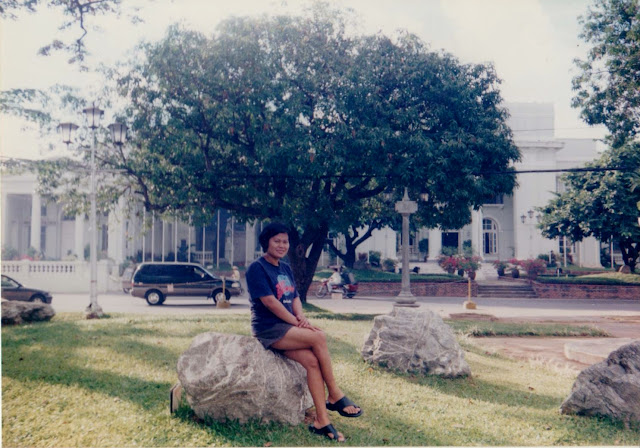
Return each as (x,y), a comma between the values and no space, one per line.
(93,115)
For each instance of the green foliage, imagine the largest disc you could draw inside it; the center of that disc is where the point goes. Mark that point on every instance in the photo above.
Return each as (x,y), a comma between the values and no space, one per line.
(607,88)
(611,278)
(600,203)
(449,251)
(476,328)
(423,245)
(9,253)
(297,120)
(389,264)
(374,258)
(532,266)
(470,263)
(381,276)
(467,249)
(499,264)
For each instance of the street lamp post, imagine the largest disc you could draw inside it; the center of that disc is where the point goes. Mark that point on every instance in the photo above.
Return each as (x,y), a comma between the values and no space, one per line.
(93,115)
(405,207)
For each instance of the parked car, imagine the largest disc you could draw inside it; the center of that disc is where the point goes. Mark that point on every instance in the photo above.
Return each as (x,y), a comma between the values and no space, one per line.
(127,277)
(14,290)
(157,281)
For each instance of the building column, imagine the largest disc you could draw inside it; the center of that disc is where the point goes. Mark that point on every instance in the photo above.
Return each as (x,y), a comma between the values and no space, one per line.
(79,237)
(435,244)
(115,235)
(250,242)
(36,222)
(476,232)
(5,218)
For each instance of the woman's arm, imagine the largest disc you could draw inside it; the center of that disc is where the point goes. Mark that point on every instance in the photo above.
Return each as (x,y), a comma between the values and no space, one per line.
(299,313)
(279,310)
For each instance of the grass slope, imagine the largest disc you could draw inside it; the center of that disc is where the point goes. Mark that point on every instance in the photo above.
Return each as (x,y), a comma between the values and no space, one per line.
(104,383)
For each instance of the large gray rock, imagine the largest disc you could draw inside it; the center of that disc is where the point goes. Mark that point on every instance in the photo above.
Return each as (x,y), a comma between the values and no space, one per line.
(610,387)
(15,313)
(413,340)
(233,377)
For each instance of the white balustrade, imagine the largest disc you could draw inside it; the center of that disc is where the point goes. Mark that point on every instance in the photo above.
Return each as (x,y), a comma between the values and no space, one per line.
(60,276)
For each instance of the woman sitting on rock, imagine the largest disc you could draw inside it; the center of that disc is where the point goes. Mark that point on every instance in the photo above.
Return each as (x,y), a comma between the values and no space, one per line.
(278,322)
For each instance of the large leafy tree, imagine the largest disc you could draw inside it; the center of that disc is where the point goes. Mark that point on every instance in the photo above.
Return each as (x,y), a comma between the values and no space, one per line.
(601,203)
(292,119)
(608,87)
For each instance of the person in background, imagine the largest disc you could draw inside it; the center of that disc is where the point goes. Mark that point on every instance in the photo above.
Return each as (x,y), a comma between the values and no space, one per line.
(335,279)
(279,323)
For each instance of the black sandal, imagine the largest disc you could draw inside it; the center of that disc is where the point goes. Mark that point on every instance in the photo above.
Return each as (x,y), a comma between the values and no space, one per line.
(342,403)
(326,431)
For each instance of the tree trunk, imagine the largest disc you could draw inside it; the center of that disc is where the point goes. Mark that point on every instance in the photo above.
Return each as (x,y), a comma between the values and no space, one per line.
(349,257)
(303,265)
(352,242)
(630,252)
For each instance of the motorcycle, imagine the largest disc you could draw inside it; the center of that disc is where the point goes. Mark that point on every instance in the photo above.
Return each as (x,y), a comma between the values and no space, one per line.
(348,288)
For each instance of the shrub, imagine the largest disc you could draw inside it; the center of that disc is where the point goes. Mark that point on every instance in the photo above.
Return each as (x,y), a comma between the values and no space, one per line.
(533,267)
(544,257)
(423,246)
(389,264)
(361,262)
(449,263)
(124,265)
(470,264)
(9,253)
(548,259)
(499,264)
(374,258)
(449,250)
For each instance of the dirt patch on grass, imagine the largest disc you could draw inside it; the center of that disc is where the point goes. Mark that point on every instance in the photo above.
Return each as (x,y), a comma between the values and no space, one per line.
(551,350)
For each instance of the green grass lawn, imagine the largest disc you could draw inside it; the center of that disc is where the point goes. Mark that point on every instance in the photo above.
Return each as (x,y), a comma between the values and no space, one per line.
(605,278)
(382,276)
(76,382)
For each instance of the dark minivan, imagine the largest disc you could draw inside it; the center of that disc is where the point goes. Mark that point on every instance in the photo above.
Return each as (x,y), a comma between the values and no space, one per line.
(157,281)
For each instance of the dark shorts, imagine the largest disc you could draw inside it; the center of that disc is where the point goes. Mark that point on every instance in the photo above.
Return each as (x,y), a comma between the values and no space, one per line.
(273,334)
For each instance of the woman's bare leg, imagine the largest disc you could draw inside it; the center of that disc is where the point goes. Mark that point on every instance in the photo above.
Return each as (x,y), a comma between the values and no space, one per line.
(316,341)
(316,384)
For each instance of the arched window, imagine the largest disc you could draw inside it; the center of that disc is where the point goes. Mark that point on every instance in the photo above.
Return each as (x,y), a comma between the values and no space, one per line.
(490,236)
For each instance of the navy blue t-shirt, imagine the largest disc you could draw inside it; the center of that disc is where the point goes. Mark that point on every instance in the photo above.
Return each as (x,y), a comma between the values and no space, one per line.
(265,279)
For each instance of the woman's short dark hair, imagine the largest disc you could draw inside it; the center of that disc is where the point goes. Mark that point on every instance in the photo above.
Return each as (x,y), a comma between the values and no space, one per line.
(271,230)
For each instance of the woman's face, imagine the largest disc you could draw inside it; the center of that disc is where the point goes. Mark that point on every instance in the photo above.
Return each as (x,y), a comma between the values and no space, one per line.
(278,245)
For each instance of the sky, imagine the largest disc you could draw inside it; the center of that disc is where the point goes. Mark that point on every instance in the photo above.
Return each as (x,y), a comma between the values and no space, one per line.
(532,44)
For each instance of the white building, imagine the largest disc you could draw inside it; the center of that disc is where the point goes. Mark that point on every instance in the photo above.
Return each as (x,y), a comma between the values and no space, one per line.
(502,230)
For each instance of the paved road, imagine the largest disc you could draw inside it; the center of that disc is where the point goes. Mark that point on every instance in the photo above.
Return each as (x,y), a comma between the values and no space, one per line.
(124,303)
(510,308)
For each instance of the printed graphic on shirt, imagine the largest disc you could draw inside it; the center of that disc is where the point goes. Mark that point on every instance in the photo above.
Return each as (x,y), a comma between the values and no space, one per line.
(285,288)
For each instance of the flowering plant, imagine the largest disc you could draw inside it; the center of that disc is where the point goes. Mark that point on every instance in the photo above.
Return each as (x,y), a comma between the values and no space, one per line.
(533,267)
(470,264)
(449,262)
(499,264)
